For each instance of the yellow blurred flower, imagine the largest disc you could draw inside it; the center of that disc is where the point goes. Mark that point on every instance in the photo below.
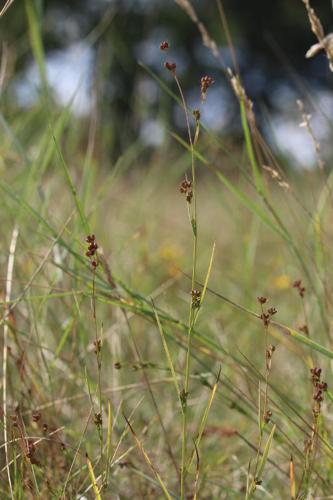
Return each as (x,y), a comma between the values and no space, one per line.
(171,255)
(282,281)
(169,252)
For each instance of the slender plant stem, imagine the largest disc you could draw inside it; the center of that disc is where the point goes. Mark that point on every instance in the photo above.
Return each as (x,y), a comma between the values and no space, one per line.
(263,414)
(99,363)
(191,320)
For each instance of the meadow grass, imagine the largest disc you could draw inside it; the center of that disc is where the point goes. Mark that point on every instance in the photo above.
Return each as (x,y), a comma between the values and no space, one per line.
(186,355)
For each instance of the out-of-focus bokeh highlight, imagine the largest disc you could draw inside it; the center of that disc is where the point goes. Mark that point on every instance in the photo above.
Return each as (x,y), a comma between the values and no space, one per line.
(98,55)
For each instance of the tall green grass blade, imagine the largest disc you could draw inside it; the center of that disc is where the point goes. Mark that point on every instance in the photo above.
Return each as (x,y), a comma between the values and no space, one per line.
(315,346)
(249,148)
(263,460)
(168,355)
(204,417)
(36,40)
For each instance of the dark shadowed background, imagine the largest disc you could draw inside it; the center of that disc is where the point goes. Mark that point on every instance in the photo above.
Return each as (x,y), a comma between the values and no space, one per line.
(94,48)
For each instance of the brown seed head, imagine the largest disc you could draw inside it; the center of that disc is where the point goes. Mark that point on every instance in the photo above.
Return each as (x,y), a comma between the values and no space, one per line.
(262,300)
(186,188)
(196,298)
(267,416)
(36,416)
(196,114)
(170,67)
(91,253)
(265,318)
(206,82)
(164,45)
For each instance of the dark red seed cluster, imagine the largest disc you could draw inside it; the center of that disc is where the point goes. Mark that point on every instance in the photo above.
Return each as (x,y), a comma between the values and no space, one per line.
(196,298)
(319,387)
(164,45)
(92,249)
(301,289)
(98,421)
(170,66)
(31,452)
(36,416)
(186,188)
(206,82)
(262,300)
(267,416)
(266,315)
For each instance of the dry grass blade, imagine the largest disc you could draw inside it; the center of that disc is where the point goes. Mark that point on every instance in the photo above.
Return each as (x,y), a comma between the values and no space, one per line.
(225,25)
(206,38)
(109,440)
(324,42)
(6,7)
(187,7)
(316,25)
(9,281)
(276,176)
(147,459)
(306,124)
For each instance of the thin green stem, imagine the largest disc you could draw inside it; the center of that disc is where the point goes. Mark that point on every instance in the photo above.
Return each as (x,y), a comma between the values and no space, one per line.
(192,315)
(262,415)
(99,365)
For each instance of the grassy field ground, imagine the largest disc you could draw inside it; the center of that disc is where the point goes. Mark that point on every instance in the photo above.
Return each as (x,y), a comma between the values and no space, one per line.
(158,343)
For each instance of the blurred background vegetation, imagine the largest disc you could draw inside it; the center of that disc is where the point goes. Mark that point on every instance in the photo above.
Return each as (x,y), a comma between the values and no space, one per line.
(93,50)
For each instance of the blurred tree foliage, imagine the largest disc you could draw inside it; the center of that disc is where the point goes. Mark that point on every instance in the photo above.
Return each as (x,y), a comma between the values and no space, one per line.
(271,38)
